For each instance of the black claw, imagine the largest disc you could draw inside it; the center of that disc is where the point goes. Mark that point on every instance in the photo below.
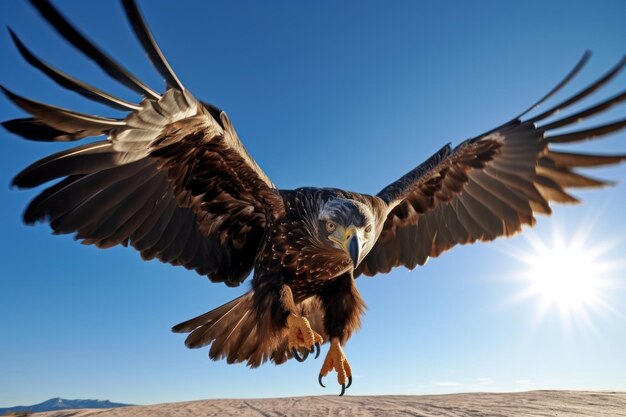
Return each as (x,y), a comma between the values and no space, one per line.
(319,379)
(295,354)
(317,354)
(306,355)
(343,389)
(349,382)
(312,349)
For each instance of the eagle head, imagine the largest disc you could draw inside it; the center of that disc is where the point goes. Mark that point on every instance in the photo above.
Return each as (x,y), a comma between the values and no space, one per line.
(347,225)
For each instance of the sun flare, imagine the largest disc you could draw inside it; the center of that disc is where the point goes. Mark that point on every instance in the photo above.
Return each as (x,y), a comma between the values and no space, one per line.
(568,274)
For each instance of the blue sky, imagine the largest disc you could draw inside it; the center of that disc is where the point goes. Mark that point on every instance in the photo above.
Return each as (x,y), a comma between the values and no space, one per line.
(343,94)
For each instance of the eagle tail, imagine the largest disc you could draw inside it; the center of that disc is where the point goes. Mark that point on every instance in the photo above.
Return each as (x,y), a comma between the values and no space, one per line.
(238,333)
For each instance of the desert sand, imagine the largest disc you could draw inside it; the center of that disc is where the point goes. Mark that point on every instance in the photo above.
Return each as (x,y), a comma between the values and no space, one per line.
(533,403)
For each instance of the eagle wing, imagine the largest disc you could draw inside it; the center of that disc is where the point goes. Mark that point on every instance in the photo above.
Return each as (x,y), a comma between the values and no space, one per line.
(491,185)
(171,179)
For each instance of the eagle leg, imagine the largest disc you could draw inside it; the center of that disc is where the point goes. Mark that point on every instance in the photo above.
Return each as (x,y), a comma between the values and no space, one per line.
(336,359)
(302,338)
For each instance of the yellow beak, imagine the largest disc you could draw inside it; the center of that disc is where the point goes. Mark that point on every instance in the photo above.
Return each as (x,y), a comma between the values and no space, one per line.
(349,242)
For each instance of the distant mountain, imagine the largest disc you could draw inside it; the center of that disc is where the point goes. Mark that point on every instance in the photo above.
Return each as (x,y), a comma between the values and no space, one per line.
(63,404)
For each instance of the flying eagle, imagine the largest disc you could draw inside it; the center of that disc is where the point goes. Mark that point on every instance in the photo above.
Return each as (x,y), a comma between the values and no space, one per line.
(173,180)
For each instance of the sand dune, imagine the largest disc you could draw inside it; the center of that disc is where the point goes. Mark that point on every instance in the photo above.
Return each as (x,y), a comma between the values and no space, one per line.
(533,403)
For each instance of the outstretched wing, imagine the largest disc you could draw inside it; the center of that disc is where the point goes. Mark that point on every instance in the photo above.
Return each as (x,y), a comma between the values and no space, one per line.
(171,179)
(491,185)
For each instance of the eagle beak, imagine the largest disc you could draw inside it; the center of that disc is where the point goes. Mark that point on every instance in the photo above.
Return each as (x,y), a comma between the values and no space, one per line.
(348,240)
(354,249)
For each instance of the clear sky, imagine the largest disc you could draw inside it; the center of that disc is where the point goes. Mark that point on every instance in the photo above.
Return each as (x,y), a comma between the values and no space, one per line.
(343,94)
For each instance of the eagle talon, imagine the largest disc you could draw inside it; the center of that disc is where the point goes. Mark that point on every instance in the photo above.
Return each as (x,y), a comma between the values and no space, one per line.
(302,339)
(297,356)
(336,360)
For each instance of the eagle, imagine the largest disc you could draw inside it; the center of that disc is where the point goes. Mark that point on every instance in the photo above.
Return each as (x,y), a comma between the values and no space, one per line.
(173,180)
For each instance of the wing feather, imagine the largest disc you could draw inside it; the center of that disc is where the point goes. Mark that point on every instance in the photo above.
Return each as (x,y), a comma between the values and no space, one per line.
(64,119)
(582,94)
(149,44)
(568,159)
(34,129)
(80,42)
(69,82)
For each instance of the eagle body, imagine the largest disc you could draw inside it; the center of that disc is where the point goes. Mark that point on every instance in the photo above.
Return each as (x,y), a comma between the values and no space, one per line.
(172,179)
(294,255)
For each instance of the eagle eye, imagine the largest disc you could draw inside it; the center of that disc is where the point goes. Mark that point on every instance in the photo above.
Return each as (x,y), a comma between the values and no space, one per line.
(330,227)
(368,228)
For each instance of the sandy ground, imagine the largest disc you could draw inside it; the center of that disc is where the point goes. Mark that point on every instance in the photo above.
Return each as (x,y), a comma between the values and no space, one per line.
(534,403)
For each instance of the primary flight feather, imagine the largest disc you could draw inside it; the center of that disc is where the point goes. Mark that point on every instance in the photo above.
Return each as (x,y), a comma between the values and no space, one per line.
(173,180)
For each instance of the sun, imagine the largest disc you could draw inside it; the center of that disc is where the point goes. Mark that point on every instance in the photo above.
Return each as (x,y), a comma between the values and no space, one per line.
(566,273)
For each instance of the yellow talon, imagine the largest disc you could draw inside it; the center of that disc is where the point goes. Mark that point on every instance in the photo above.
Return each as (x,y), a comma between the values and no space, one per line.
(336,359)
(302,336)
